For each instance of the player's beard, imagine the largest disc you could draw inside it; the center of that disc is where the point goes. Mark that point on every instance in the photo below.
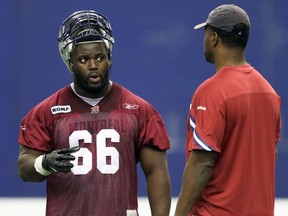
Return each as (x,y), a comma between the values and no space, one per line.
(83,83)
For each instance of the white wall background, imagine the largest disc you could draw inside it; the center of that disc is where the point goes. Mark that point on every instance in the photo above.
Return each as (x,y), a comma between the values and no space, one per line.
(36,206)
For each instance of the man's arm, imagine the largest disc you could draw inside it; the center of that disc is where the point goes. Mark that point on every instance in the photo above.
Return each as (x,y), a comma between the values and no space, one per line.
(155,168)
(26,169)
(35,165)
(196,175)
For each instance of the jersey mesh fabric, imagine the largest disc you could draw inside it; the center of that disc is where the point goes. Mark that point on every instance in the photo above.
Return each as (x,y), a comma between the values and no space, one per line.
(237,114)
(104,178)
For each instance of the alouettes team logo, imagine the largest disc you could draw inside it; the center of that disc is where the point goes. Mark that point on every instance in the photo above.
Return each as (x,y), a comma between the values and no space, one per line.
(95,109)
(60,109)
(130,106)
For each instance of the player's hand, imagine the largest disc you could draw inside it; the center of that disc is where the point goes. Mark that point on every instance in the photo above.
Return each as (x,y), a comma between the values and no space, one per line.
(59,160)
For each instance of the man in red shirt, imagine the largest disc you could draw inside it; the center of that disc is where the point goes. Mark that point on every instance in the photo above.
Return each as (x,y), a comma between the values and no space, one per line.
(233,127)
(87,138)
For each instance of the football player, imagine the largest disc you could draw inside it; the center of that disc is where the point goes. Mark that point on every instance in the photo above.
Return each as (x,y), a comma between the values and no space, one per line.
(86,139)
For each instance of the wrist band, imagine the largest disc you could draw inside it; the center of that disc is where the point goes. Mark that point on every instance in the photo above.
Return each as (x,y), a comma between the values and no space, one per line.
(39,168)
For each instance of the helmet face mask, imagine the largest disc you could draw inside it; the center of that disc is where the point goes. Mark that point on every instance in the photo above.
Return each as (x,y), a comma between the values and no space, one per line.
(86,25)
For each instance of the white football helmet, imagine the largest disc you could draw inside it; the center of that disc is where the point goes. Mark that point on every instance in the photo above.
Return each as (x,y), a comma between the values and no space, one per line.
(81,26)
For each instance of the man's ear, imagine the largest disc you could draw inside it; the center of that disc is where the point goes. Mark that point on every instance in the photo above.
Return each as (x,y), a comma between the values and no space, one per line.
(110,62)
(214,39)
(70,67)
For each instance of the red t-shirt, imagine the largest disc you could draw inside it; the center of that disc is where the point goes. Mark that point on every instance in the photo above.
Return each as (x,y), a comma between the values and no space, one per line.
(103,180)
(237,114)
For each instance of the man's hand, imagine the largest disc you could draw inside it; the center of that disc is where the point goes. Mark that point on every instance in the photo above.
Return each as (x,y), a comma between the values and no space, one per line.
(59,160)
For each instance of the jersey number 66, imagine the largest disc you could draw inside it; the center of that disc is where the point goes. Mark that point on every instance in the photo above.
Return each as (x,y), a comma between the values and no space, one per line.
(102,151)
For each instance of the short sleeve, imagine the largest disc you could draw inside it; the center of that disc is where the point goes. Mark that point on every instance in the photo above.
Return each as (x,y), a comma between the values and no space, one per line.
(34,132)
(154,133)
(207,119)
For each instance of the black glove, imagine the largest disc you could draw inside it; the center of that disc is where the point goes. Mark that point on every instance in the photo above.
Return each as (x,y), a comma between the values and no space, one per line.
(59,160)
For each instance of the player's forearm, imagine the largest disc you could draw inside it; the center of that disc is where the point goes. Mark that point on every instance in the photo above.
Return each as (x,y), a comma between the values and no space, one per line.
(194,181)
(159,194)
(26,169)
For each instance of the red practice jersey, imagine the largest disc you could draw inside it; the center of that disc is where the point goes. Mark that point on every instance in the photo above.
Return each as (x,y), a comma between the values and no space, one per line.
(103,180)
(236,113)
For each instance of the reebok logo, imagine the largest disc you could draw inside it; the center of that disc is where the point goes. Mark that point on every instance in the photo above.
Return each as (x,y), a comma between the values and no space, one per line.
(130,106)
(60,109)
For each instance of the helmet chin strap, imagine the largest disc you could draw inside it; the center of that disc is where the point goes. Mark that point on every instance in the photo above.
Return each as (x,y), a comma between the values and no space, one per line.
(69,64)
